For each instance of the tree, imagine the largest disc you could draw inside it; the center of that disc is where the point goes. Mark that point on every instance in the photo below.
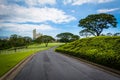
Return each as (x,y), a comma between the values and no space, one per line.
(39,40)
(64,37)
(117,34)
(85,33)
(96,23)
(13,40)
(46,39)
(18,41)
(75,37)
(27,40)
(4,44)
(102,35)
(109,34)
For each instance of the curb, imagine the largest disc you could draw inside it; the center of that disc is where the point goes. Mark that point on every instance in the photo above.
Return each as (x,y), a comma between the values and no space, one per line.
(10,75)
(97,66)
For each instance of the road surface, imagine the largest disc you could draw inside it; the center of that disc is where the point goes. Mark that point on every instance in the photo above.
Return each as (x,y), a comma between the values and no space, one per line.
(50,65)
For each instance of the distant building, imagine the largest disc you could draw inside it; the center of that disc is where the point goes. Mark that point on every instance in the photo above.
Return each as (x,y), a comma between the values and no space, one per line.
(35,35)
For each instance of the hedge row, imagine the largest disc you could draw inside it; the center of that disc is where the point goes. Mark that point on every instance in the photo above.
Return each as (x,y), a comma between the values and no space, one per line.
(102,50)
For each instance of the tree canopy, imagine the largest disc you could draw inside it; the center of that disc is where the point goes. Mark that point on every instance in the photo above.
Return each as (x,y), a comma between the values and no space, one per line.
(85,33)
(75,37)
(67,37)
(117,34)
(96,23)
(45,39)
(15,41)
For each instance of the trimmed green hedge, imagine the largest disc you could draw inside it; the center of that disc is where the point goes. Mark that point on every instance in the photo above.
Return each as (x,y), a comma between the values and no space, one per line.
(103,50)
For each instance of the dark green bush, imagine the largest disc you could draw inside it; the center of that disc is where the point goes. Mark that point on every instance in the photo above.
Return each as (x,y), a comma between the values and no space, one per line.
(103,50)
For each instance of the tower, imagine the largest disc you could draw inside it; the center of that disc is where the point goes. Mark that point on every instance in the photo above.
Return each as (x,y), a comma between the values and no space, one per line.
(34,34)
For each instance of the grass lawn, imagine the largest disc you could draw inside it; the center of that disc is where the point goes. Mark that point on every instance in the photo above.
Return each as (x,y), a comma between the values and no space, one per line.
(8,59)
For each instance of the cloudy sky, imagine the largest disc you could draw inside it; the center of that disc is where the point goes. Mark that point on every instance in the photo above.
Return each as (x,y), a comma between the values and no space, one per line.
(51,17)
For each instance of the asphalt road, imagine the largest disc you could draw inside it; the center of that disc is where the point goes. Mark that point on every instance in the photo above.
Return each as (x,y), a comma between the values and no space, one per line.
(49,65)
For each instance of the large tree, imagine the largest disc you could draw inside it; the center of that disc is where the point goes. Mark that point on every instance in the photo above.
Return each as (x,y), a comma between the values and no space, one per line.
(109,34)
(14,40)
(27,40)
(64,37)
(85,33)
(75,37)
(96,23)
(44,39)
(67,37)
(39,40)
(117,34)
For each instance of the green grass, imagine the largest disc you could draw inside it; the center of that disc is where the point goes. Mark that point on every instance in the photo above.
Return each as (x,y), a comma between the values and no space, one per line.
(103,50)
(8,59)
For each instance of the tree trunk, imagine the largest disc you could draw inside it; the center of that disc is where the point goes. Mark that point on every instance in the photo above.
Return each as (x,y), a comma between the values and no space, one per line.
(15,49)
(46,44)
(97,34)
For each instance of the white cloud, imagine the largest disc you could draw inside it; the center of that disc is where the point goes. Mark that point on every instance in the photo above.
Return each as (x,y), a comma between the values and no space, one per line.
(107,10)
(31,2)
(3,1)
(73,11)
(40,2)
(26,27)
(80,2)
(104,1)
(32,14)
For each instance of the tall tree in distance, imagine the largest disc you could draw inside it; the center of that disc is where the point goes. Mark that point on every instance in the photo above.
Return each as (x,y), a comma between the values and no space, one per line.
(85,33)
(39,40)
(64,37)
(75,37)
(117,34)
(67,37)
(27,40)
(46,39)
(14,40)
(96,23)
(109,34)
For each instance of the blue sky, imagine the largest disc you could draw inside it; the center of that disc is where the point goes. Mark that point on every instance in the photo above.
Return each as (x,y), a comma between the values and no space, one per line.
(51,17)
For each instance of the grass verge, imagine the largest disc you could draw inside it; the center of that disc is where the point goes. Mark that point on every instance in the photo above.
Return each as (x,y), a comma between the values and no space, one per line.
(8,59)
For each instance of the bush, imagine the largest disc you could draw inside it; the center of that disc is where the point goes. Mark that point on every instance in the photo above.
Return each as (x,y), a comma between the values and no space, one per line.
(103,50)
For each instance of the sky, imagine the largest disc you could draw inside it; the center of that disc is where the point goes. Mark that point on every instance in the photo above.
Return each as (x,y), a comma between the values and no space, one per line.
(51,17)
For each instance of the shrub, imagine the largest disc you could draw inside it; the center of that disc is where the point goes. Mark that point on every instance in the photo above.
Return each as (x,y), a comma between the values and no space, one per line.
(103,50)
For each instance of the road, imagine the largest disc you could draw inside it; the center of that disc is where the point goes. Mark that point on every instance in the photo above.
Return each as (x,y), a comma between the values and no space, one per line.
(50,65)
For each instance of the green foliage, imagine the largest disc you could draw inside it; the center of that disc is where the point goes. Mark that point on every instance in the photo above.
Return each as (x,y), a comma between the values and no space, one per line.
(95,23)
(39,40)
(85,33)
(5,44)
(64,37)
(103,50)
(117,34)
(67,37)
(15,41)
(74,37)
(44,39)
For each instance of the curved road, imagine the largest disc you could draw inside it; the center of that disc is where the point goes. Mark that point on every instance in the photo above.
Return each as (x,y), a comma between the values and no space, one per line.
(50,65)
